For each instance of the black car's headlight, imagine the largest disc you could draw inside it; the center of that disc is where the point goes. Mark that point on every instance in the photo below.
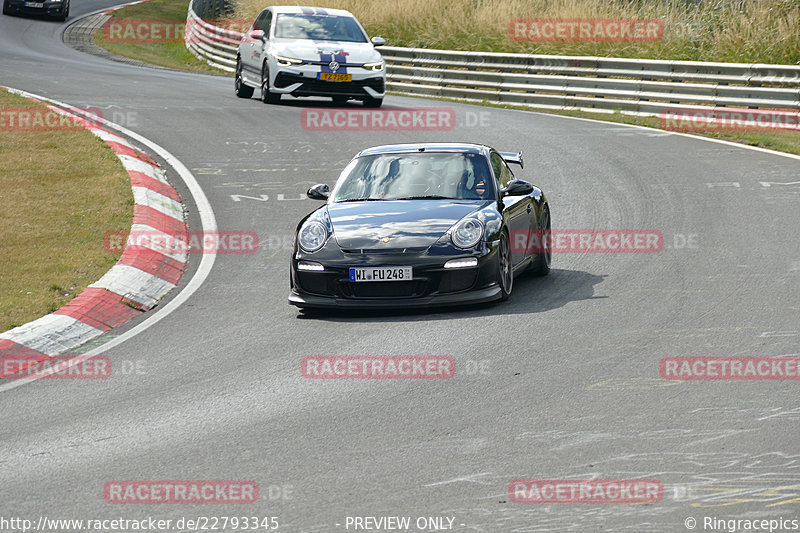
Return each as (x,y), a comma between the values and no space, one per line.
(312,236)
(467,233)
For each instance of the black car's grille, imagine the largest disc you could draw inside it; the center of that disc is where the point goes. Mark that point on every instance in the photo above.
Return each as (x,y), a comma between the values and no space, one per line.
(384,289)
(315,86)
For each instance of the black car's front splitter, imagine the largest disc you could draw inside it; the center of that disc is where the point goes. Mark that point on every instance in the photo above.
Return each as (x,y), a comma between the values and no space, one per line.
(472,297)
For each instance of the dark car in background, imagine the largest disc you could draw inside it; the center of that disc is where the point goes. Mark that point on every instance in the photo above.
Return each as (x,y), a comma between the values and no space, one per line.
(416,225)
(57,9)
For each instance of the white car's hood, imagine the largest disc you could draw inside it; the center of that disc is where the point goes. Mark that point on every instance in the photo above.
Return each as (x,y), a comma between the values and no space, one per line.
(309,50)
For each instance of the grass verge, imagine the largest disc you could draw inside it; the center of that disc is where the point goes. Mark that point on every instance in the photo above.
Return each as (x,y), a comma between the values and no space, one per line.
(739,31)
(719,30)
(60,192)
(164,54)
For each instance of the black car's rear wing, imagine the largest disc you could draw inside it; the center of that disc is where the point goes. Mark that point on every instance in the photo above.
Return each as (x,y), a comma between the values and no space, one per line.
(513,158)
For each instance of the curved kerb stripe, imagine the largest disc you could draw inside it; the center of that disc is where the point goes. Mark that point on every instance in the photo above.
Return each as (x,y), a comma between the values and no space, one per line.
(135,284)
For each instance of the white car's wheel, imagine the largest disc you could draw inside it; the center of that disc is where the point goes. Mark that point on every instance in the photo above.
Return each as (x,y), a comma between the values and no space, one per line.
(266,96)
(242,90)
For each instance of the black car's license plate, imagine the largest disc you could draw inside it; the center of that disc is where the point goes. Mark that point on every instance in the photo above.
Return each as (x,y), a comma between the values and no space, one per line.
(381,274)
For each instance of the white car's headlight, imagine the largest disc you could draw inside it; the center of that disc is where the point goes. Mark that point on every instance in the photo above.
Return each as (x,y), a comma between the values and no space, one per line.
(467,233)
(312,236)
(286,61)
(377,67)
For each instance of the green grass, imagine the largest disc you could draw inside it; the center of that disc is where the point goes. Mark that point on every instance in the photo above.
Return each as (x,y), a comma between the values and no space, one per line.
(60,192)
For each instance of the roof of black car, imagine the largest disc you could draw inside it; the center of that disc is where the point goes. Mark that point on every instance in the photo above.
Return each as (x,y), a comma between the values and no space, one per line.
(424,147)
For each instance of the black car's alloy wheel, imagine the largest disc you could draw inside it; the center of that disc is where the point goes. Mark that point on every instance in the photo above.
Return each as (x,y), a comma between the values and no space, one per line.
(266,96)
(505,270)
(242,90)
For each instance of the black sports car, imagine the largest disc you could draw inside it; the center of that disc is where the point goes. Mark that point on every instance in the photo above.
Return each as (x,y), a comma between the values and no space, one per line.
(415,225)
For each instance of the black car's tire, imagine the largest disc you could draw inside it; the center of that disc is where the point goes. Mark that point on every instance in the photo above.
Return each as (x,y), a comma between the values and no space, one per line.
(241,90)
(5,8)
(372,102)
(505,268)
(541,265)
(266,96)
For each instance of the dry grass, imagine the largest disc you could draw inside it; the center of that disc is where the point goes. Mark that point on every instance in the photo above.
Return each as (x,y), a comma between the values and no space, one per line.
(165,54)
(765,31)
(60,192)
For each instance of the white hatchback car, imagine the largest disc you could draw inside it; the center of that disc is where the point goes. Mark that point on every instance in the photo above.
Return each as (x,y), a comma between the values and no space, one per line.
(310,51)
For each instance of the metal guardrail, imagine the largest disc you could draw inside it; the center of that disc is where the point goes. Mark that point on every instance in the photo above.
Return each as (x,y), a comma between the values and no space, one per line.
(216,46)
(631,86)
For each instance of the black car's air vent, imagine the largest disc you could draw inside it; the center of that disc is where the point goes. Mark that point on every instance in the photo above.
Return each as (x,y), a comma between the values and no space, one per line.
(386,251)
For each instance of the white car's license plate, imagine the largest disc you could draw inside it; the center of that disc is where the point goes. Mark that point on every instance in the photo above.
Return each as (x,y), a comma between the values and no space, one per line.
(34,4)
(381,274)
(335,76)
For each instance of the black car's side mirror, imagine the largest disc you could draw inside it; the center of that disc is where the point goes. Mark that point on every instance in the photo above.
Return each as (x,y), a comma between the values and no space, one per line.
(320,191)
(516,188)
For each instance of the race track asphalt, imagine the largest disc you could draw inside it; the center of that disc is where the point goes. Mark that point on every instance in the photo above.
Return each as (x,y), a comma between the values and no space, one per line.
(560,382)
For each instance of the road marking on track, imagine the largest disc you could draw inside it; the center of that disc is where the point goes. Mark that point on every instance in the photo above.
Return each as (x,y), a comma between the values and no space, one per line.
(724,184)
(208,223)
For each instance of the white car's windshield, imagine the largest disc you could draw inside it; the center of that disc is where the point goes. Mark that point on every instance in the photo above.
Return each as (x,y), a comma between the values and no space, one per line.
(318,27)
(415,176)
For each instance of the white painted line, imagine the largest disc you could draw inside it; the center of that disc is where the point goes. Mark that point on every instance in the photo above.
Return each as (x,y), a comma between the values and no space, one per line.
(208,223)
(692,136)
(724,184)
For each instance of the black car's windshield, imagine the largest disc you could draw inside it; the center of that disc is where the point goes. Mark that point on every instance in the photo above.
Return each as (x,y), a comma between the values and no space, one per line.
(417,175)
(318,27)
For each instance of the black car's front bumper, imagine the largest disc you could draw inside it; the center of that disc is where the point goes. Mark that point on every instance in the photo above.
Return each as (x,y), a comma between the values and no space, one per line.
(431,286)
(472,297)
(49,8)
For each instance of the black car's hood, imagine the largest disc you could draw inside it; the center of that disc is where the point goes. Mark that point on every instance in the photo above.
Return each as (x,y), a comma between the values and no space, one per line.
(405,223)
